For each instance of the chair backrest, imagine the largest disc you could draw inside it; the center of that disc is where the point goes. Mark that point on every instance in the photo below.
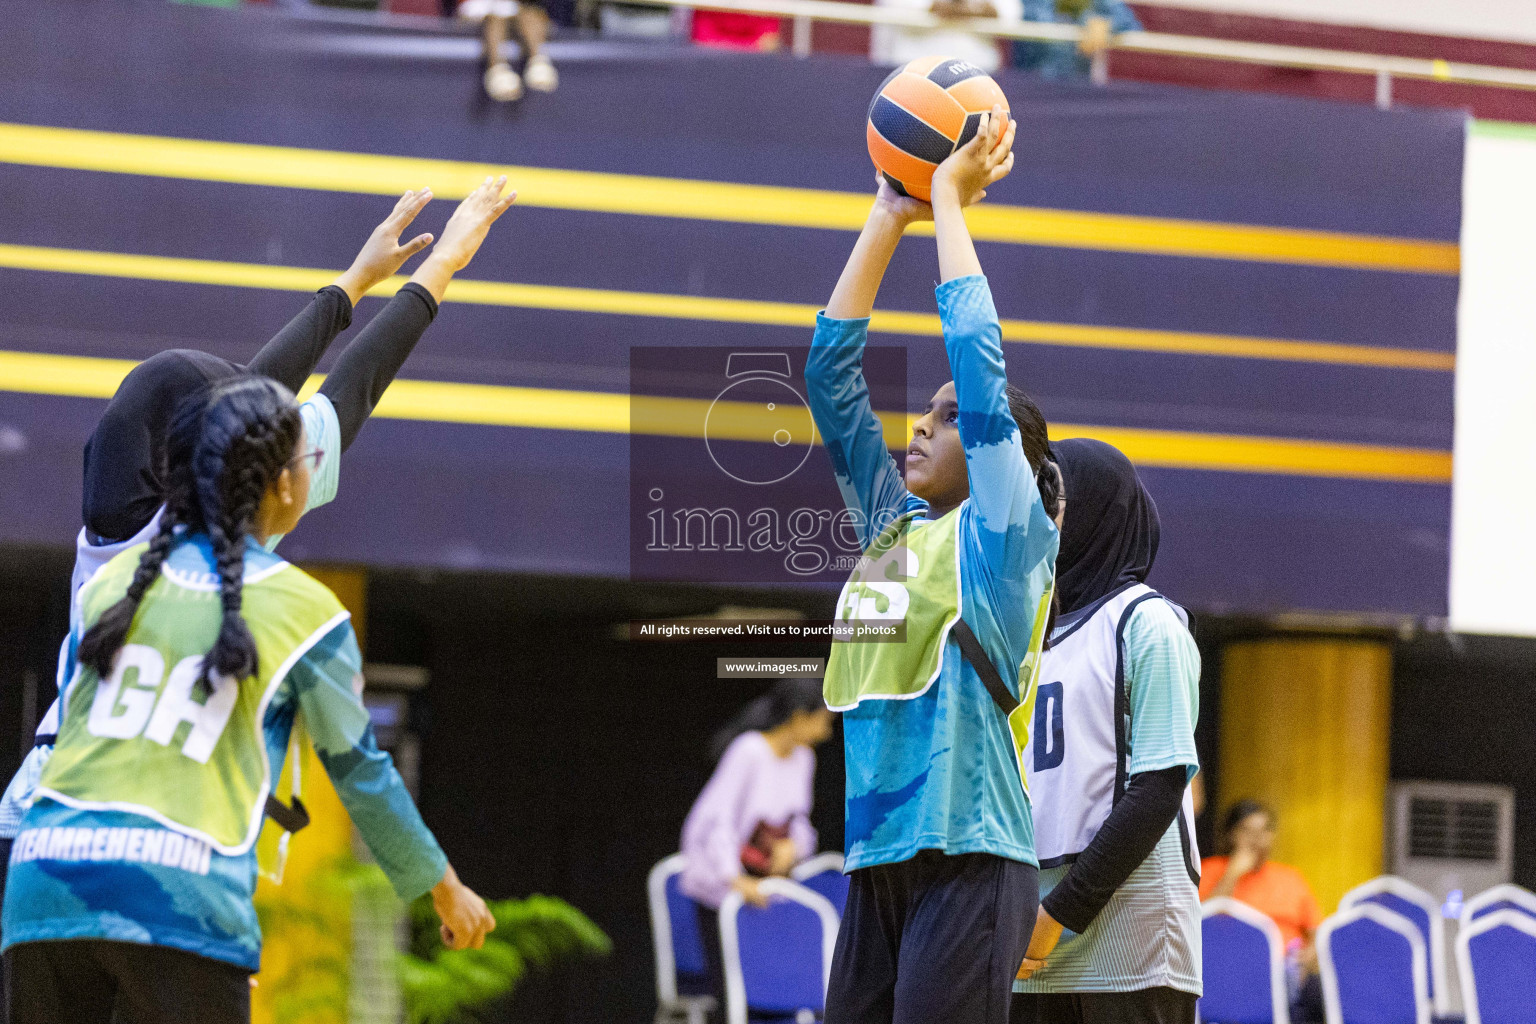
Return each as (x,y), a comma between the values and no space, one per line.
(1496,956)
(674,929)
(778,959)
(1374,967)
(1421,908)
(1243,964)
(1501,897)
(823,874)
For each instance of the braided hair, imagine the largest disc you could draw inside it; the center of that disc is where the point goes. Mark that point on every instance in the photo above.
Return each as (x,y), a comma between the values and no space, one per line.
(228,444)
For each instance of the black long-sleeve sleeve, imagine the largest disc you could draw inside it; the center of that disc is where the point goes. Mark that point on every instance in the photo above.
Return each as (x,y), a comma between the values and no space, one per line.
(370,361)
(294,352)
(1141,818)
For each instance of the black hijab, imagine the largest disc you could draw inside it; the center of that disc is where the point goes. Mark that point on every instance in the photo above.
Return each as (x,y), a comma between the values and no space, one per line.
(125,461)
(1109,537)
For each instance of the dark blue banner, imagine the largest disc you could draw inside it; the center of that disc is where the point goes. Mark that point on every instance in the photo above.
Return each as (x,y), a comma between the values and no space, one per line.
(1254,296)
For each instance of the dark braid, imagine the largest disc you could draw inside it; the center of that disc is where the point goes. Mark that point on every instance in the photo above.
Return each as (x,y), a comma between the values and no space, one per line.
(230,499)
(227,446)
(103,640)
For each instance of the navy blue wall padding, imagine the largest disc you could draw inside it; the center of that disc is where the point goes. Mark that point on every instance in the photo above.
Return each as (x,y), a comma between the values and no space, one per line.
(1235,957)
(465,496)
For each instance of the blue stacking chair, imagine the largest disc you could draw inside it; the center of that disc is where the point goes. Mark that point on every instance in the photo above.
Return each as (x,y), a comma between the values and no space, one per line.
(1243,964)
(682,973)
(1500,897)
(823,874)
(1405,898)
(1374,967)
(778,958)
(1496,957)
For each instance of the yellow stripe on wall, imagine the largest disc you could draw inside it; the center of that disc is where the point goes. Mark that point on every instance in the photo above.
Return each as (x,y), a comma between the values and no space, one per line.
(606,412)
(369,173)
(697,307)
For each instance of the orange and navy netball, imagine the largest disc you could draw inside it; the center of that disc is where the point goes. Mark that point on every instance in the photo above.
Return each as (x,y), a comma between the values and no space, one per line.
(923,113)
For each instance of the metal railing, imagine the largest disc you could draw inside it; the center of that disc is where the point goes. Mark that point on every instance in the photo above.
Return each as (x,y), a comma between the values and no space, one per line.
(804,13)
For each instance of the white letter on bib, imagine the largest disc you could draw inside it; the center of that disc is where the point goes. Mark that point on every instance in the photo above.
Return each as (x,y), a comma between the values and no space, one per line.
(119,711)
(177,706)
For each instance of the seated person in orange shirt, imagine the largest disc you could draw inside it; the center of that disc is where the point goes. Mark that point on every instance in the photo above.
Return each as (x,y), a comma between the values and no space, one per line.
(1278,891)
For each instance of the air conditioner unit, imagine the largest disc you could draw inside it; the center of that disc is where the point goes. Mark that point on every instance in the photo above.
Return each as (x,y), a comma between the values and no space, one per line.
(1452,839)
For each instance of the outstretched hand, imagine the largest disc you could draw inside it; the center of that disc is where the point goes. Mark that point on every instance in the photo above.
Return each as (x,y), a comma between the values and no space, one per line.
(967,173)
(467,227)
(462,235)
(383,254)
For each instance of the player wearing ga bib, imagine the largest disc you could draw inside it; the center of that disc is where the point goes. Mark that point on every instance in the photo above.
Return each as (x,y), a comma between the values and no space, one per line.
(938,836)
(145,819)
(124,467)
(320,423)
(1112,750)
(194,655)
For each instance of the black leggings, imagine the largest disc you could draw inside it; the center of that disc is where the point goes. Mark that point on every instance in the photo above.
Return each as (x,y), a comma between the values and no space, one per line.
(81,981)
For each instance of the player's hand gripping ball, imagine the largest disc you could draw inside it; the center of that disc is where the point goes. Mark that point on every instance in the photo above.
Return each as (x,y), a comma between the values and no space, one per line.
(923,113)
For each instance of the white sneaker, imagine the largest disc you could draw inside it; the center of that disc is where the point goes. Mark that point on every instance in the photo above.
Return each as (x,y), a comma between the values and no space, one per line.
(502,83)
(540,74)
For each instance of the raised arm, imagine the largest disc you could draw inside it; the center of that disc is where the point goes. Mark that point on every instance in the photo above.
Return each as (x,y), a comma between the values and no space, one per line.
(868,477)
(1013,529)
(372,790)
(369,363)
(294,352)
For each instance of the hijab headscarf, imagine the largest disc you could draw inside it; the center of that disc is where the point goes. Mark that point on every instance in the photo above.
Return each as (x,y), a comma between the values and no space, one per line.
(1109,536)
(125,458)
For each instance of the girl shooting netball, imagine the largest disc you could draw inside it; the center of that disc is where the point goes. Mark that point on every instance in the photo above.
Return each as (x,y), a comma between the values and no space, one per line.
(939,837)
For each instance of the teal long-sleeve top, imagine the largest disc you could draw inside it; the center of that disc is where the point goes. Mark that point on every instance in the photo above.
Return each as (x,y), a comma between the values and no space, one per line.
(117,875)
(940,771)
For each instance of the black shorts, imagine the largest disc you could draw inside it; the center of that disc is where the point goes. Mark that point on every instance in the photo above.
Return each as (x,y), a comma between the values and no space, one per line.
(79,981)
(1147,1006)
(932,939)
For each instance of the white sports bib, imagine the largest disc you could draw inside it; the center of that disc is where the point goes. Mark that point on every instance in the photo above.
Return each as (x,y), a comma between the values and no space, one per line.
(1077,762)
(1148,935)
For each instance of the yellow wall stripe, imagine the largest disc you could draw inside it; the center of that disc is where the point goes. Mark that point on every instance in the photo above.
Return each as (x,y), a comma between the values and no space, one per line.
(606,412)
(289,167)
(697,307)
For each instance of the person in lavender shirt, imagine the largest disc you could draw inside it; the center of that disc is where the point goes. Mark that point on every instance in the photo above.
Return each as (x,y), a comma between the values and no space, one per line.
(752,819)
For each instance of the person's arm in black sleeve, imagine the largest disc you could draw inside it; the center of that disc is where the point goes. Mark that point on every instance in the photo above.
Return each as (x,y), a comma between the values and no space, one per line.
(369,363)
(1126,839)
(294,352)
